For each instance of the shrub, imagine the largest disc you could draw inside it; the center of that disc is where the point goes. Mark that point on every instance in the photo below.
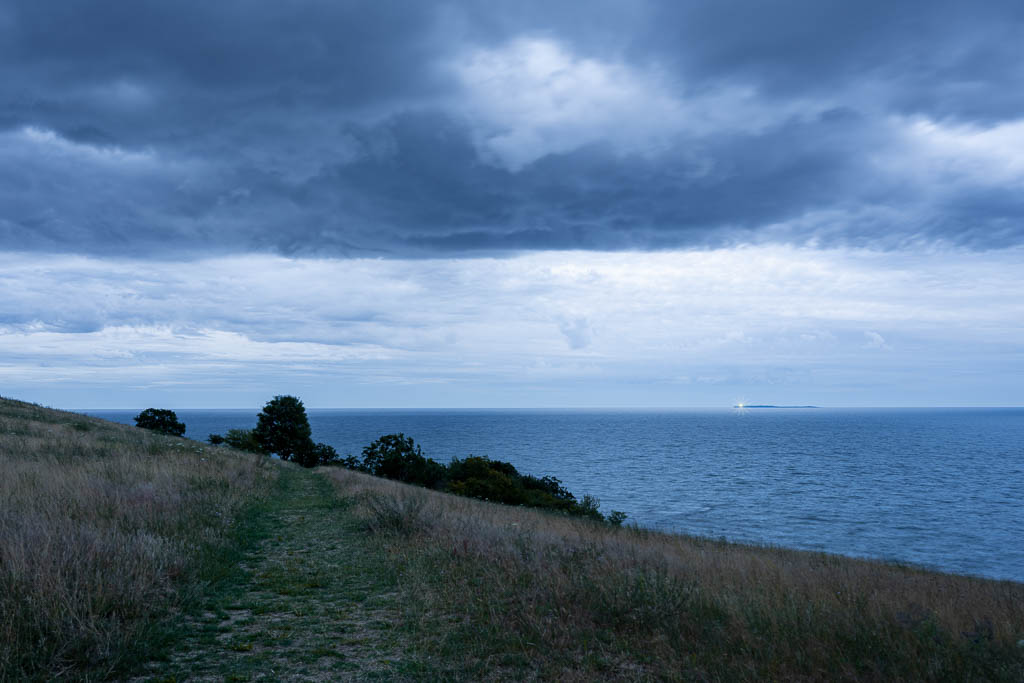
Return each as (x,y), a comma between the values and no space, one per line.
(486,479)
(351,462)
(316,454)
(500,482)
(479,467)
(241,439)
(160,420)
(396,456)
(588,507)
(616,517)
(549,485)
(493,486)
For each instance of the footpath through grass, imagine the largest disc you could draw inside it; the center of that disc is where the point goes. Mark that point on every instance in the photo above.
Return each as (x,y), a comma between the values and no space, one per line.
(310,599)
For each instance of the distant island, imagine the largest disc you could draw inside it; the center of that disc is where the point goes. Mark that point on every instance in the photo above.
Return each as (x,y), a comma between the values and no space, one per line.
(750,405)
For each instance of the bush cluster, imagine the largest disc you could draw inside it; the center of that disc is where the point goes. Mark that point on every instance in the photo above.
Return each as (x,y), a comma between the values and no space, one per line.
(396,456)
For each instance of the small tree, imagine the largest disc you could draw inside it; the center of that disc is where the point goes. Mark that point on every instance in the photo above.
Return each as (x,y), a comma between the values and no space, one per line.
(160,420)
(283,428)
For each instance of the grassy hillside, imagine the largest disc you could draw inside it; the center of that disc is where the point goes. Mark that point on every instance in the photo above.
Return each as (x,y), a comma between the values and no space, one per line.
(127,554)
(104,529)
(491,591)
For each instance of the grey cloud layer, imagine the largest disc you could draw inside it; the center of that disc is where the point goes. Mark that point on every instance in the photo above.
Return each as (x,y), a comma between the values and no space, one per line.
(410,129)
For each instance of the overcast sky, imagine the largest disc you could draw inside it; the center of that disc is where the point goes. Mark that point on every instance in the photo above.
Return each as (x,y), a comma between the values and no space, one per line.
(492,204)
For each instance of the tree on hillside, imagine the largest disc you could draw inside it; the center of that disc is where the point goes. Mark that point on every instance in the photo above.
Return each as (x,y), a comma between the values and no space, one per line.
(283,428)
(160,420)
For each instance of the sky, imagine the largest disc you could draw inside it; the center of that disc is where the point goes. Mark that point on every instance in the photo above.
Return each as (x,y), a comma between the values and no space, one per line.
(511,204)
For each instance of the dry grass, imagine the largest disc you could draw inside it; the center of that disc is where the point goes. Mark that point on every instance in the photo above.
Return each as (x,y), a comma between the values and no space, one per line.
(518,593)
(101,528)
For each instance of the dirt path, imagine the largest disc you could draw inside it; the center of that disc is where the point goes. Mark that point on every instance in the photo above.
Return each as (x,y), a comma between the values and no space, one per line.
(309,604)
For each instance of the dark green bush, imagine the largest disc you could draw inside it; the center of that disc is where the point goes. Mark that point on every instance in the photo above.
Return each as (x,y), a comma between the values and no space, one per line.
(316,454)
(242,439)
(396,456)
(616,517)
(351,462)
(160,420)
(588,507)
(500,482)
(549,485)
(479,467)
(488,484)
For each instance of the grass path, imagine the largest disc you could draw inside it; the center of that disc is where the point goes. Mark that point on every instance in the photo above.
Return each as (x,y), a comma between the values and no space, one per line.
(310,600)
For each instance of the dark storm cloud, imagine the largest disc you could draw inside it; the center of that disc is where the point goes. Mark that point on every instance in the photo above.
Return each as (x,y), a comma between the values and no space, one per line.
(339,128)
(342,52)
(793,45)
(434,190)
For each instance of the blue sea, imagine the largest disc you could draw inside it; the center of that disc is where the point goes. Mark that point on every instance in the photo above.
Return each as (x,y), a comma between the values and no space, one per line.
(941,488)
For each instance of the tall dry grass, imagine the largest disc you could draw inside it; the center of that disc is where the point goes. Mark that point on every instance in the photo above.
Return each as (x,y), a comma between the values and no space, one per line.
(101,528)
(523,593)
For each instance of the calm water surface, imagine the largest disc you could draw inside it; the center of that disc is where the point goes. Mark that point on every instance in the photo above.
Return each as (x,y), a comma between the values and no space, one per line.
(942,488)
